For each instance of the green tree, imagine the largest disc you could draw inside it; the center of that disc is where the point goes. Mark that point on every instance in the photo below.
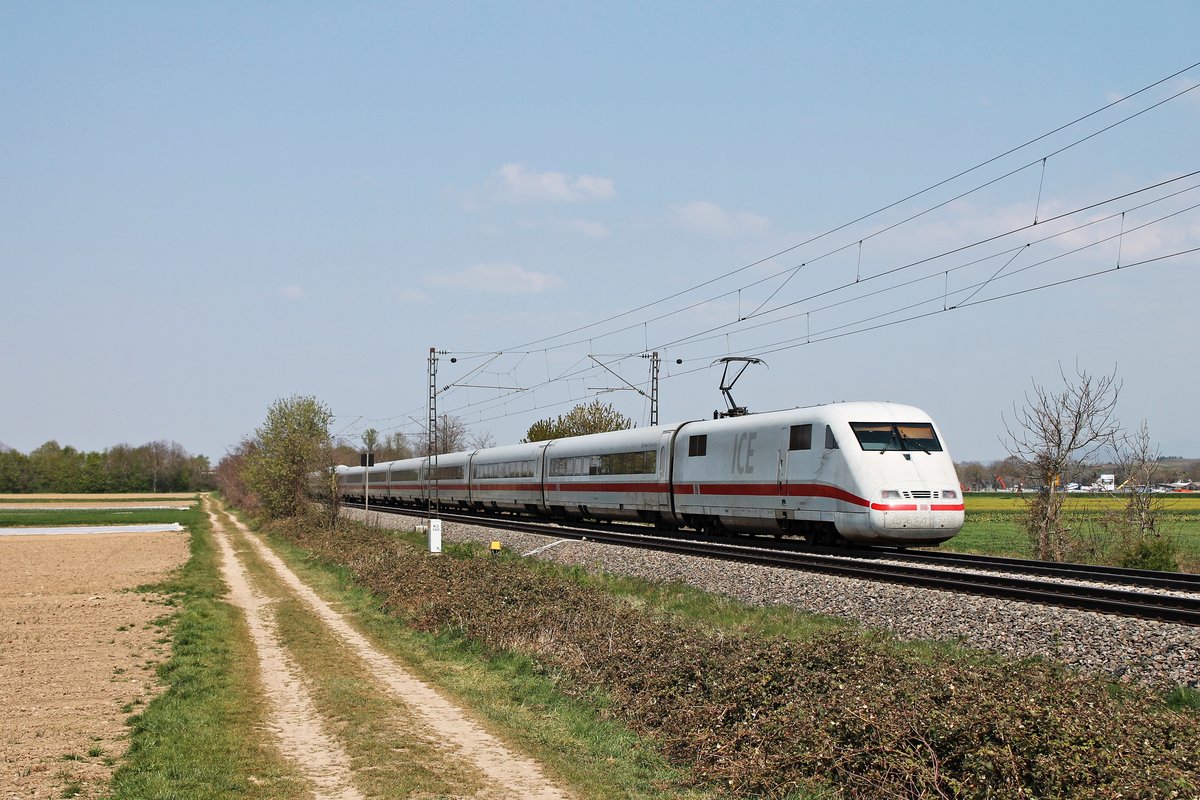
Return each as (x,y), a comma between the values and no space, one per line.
(370,439)
(14,471)
(55,468)
(291,445)
(593,417)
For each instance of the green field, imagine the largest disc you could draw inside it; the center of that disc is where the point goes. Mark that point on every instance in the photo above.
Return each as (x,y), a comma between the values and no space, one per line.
(22,518)
(994,523)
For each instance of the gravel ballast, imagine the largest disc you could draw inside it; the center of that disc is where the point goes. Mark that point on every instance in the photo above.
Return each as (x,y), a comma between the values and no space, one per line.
(1122,648)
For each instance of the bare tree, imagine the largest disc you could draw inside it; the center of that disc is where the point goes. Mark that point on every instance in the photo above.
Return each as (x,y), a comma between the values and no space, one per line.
(452,436)
(478,440)
(1137,463)
(1008,474)
(230,477)
(345,452)
(1139,538)
(393,447)
(973,475)
(327,488)
(1054,432)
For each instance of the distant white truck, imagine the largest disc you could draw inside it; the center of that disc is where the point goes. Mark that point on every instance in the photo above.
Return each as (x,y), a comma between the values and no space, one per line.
(1108,483)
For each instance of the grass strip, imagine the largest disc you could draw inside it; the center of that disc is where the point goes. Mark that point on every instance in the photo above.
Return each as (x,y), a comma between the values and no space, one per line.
(205,736)
(11,518)
(1002,533)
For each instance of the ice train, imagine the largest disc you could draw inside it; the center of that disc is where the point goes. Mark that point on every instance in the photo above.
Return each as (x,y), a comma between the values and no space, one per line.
(865,472)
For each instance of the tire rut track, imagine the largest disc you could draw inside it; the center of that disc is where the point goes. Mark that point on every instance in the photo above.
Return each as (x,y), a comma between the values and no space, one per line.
(295,721)
(514,775)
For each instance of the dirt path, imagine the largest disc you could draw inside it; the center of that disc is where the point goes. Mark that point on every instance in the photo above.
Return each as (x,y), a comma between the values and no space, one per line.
(297,726)
(507,773)
(77,655)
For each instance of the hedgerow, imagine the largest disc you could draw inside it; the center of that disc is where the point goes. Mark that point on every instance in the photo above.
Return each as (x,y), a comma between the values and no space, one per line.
(768,716)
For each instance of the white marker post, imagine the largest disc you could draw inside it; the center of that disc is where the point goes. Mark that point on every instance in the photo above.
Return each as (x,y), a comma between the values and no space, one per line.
(435,536)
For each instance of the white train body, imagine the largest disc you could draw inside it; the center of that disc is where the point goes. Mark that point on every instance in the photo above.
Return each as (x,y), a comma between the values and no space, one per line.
(865,472)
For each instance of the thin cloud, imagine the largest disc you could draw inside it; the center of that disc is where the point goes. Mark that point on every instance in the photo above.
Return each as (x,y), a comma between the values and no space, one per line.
(498,278)
(579,227)
(595,230)
(411,297)
(517,184)
(708,218)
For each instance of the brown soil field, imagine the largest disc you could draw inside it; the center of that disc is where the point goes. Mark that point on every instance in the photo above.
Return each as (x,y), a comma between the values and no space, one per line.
(77,653)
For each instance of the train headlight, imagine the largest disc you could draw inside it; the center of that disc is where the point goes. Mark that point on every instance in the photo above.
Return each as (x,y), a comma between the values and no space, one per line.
(890,494)
(950,494)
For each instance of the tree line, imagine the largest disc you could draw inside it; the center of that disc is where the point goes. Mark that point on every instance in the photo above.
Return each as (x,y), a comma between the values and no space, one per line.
(160,466)
(1006,474)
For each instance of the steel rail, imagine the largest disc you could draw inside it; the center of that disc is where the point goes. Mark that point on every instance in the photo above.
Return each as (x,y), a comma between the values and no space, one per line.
(1152,579)
(1161,607)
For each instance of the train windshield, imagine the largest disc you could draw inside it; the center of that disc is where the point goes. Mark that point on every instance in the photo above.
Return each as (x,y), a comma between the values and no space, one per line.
(896,436)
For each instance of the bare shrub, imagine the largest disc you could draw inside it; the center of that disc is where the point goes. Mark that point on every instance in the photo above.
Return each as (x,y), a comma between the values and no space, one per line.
(1136,530)
(230,480)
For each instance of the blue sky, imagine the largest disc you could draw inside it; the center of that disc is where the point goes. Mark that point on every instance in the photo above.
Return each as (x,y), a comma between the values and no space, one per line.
(208,206)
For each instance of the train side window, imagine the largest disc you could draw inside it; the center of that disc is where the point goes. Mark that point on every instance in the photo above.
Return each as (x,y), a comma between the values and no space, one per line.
(698,445)
(830,441)
(800,438)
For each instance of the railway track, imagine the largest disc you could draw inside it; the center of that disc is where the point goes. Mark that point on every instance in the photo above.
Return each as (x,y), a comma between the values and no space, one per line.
(1150,579)
(1063,585)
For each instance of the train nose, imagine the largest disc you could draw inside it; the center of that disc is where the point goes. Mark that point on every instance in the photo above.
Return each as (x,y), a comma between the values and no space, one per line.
(917,515)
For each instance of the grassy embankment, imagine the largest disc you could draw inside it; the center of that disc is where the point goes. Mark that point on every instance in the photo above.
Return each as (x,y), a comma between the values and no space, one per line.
(994,523)
(750,702)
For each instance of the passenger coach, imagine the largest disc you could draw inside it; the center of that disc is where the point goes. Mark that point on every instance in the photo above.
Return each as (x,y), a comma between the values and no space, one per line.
(864,472)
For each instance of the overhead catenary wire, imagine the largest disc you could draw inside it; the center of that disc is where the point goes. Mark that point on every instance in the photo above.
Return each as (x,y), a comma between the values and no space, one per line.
(763,311)
(950,252)
(911,196)
(818,338)
(1035,265)
(570,372)
(874,234)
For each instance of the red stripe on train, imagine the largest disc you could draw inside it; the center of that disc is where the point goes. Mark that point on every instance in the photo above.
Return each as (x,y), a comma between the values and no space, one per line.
(913,507)
(585,486)
(772,490)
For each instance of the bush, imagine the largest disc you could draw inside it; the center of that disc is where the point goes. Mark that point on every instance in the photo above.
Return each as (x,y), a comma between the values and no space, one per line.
(1159,552)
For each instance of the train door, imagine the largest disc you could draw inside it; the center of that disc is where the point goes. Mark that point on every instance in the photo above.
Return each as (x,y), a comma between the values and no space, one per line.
(781,472)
